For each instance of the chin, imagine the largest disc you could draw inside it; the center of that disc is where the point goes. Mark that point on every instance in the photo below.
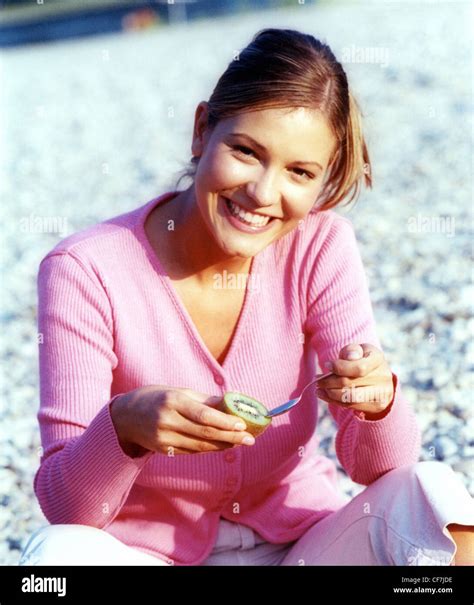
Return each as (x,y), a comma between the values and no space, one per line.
(235,248)
(235,244)
(238,251)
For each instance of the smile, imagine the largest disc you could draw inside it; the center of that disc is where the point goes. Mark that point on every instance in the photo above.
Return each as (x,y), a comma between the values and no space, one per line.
(246,217)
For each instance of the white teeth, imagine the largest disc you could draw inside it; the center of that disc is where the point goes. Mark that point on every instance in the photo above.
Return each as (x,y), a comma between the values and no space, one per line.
(247,217)
(251,218)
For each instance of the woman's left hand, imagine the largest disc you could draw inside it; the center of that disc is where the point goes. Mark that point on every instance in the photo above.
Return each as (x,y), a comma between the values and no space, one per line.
(362,381)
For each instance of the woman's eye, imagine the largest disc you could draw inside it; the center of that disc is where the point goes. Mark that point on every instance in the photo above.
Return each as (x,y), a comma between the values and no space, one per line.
(242,149)
(304,173)
(246,151)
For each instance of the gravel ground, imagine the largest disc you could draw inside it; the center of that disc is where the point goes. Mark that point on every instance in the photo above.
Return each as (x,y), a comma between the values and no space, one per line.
(89,134)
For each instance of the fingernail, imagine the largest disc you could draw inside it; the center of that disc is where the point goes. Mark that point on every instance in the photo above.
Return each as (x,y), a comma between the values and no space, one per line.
(353,355)
(328,365)
(248,440)
(239,426)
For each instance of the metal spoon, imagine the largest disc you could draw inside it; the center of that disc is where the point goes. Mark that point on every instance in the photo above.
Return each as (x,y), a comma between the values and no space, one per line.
(281,409)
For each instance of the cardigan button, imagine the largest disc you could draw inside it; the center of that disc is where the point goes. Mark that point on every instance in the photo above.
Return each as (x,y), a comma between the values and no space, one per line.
(218,379)
(229,456)
(231,481)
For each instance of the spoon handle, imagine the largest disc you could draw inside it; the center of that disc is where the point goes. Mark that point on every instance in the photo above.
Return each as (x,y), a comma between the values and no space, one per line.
(317,379)
(281,409)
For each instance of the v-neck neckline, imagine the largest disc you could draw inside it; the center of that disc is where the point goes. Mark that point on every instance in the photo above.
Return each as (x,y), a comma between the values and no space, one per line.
(175,297)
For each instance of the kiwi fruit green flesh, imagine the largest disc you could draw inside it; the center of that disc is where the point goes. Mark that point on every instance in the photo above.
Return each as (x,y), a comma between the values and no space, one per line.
(251,411)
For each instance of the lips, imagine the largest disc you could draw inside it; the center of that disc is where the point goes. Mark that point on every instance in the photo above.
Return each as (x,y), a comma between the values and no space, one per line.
(264,222)
(248,209)
(253,219)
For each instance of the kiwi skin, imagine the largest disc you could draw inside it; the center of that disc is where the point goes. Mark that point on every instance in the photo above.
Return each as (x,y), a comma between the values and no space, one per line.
(253,429)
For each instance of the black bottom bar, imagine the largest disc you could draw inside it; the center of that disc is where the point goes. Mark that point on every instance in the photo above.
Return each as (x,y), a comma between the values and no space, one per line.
(305,584)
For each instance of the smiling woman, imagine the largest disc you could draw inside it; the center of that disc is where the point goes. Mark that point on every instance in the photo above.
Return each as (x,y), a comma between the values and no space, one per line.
(247,196)
(142,342)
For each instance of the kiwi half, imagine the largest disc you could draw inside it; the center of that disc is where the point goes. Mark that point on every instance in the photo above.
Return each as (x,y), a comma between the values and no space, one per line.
(251,411)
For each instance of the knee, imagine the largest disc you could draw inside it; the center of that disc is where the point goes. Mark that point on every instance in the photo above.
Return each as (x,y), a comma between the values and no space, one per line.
(433,473)
(422,469)
(430,469)
(50,544)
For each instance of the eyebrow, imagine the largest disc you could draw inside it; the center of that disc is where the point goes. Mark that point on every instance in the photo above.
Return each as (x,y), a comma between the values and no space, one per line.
(262,148)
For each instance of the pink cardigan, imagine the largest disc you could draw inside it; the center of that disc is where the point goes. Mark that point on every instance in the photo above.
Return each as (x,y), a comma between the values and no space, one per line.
(111,321)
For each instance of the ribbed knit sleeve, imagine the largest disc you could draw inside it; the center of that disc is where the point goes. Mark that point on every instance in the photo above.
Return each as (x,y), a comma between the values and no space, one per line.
(84,476)
(340,313)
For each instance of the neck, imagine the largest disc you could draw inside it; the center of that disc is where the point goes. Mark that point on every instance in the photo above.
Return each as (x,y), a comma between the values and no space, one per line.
(194,250)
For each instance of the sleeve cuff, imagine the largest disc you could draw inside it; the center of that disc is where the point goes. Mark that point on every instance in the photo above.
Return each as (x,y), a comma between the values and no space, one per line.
(140,457)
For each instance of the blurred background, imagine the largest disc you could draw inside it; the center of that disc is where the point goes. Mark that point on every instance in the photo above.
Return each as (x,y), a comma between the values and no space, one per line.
(97,103)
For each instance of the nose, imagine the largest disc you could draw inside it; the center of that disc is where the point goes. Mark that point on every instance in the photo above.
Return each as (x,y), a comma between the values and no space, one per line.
(264,189)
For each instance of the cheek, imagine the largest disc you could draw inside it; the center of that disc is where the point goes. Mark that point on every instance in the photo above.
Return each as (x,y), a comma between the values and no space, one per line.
(235,172)
(220,171)
(298,207)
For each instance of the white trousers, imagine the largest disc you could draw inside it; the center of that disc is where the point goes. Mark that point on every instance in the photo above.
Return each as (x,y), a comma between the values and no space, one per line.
(400,519)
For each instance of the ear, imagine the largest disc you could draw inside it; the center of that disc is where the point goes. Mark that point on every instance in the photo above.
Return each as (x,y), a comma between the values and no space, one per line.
(200,130)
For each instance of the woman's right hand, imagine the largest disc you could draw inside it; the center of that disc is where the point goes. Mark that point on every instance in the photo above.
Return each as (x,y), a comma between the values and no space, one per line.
(174,420)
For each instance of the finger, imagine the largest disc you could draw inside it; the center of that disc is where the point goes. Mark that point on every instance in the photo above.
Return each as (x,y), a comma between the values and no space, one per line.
(206,432)
(374,407)
(369,350)
(351,352)
(203,398)
(356,369)
(322,395)
(371,394)
(178,450)
(181,441)
(207,415)
(340,382)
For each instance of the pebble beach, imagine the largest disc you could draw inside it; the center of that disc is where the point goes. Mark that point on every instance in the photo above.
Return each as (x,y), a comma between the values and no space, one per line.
(95,127)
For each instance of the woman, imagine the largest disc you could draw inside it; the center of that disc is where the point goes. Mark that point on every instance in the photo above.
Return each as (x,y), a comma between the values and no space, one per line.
(144,331)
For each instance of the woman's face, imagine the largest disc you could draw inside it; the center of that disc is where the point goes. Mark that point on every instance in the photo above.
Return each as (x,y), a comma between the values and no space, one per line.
(269,164)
